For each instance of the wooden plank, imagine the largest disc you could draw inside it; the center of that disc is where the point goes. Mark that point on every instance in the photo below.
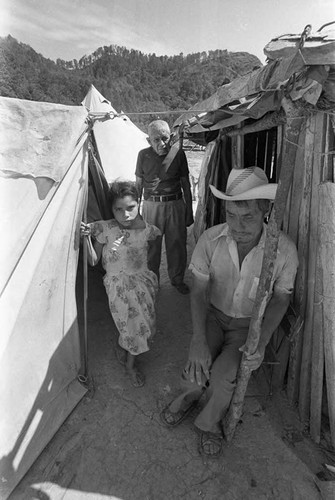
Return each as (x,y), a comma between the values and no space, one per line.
(270,251)
(317,352)
(314,140)
(327,256)
(296,189)
(300,291)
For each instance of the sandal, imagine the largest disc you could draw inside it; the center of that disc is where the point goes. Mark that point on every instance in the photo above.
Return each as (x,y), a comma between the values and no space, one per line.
(172,419)
(210,444)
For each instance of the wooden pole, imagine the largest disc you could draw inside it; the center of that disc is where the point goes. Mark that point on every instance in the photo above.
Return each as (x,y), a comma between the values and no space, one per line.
(294,120)
(327,256)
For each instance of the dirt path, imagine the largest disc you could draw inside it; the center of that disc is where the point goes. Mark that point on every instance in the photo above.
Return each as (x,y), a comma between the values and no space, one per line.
(114,446)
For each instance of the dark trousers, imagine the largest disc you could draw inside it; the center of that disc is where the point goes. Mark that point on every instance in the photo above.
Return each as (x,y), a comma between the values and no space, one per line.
(169,217)
(224,336)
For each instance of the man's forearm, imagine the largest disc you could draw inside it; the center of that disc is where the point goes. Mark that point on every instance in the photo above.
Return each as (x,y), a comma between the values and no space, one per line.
(274,313)
(186,186)
(139,186)
(199,308)
(139,183)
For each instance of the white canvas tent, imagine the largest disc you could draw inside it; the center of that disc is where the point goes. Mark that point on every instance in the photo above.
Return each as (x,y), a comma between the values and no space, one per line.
(43,190)
(43,159)
(118,139)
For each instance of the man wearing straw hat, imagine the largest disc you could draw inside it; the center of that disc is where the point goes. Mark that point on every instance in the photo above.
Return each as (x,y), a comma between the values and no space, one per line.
(226,265)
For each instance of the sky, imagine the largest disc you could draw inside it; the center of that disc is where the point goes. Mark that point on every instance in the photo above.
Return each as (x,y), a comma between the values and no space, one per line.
(70,29)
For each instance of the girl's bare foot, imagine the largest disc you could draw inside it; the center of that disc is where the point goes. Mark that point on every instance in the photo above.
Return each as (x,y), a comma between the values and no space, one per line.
(137,378)
(121,355)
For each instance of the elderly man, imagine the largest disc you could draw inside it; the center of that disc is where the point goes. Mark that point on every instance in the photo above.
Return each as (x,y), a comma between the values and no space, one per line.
(226,266)
(162,175)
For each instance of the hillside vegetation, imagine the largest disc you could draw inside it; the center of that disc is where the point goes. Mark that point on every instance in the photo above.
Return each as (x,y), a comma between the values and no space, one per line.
(131,80)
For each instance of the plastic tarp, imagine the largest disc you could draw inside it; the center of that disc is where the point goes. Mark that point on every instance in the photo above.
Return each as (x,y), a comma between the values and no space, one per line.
(117,137)
(40,353)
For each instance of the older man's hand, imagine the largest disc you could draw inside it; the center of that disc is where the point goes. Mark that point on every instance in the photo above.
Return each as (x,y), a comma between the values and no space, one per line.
(199,362)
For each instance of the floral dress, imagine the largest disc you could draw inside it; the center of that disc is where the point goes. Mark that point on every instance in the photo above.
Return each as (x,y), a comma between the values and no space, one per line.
(131,287)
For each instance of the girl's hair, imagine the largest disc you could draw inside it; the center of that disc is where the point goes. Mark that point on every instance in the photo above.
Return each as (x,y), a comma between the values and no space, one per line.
(120,189)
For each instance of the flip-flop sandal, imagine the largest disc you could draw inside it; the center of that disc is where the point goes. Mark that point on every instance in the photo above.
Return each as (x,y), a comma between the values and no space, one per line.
(208,440)
(171,419)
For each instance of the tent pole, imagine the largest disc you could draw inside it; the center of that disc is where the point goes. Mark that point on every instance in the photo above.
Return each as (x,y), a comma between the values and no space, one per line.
(84,375)
(295,117)
(85,307)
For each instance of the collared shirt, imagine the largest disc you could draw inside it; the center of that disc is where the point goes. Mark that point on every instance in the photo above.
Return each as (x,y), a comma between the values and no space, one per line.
(232,289)
(155,180)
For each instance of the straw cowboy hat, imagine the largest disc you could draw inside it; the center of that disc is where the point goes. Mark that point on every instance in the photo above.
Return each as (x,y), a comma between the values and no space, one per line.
(247,184)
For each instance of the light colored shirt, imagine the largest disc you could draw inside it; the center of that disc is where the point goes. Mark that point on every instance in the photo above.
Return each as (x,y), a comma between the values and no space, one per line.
(232,289)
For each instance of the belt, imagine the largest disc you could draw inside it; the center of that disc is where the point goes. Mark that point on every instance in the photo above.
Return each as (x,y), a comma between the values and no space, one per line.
(164,197)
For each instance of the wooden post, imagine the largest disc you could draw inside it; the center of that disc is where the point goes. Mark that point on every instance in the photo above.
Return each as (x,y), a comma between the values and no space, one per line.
(302,189)
(327,257)
(236,147)
(294,120)
(200,215)
(314,141)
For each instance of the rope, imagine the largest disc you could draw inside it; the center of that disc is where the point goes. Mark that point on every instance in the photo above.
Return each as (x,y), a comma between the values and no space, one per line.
(105,116)
(111,115)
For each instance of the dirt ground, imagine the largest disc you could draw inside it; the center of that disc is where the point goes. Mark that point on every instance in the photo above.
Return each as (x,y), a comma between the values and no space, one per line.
(113,445)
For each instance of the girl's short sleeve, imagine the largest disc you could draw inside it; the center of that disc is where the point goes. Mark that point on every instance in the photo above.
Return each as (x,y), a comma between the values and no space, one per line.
(98,230)
(152,232)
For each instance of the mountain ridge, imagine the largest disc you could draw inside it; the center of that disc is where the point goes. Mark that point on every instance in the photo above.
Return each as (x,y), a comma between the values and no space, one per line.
(131,80)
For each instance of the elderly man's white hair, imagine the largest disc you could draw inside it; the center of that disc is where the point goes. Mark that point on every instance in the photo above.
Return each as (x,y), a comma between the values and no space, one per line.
(158,125)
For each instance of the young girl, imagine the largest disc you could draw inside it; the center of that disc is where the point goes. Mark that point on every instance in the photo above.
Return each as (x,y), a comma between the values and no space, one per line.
(130,286)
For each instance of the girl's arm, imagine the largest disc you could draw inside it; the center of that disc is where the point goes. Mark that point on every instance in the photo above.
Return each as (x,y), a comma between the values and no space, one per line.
(94,250)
